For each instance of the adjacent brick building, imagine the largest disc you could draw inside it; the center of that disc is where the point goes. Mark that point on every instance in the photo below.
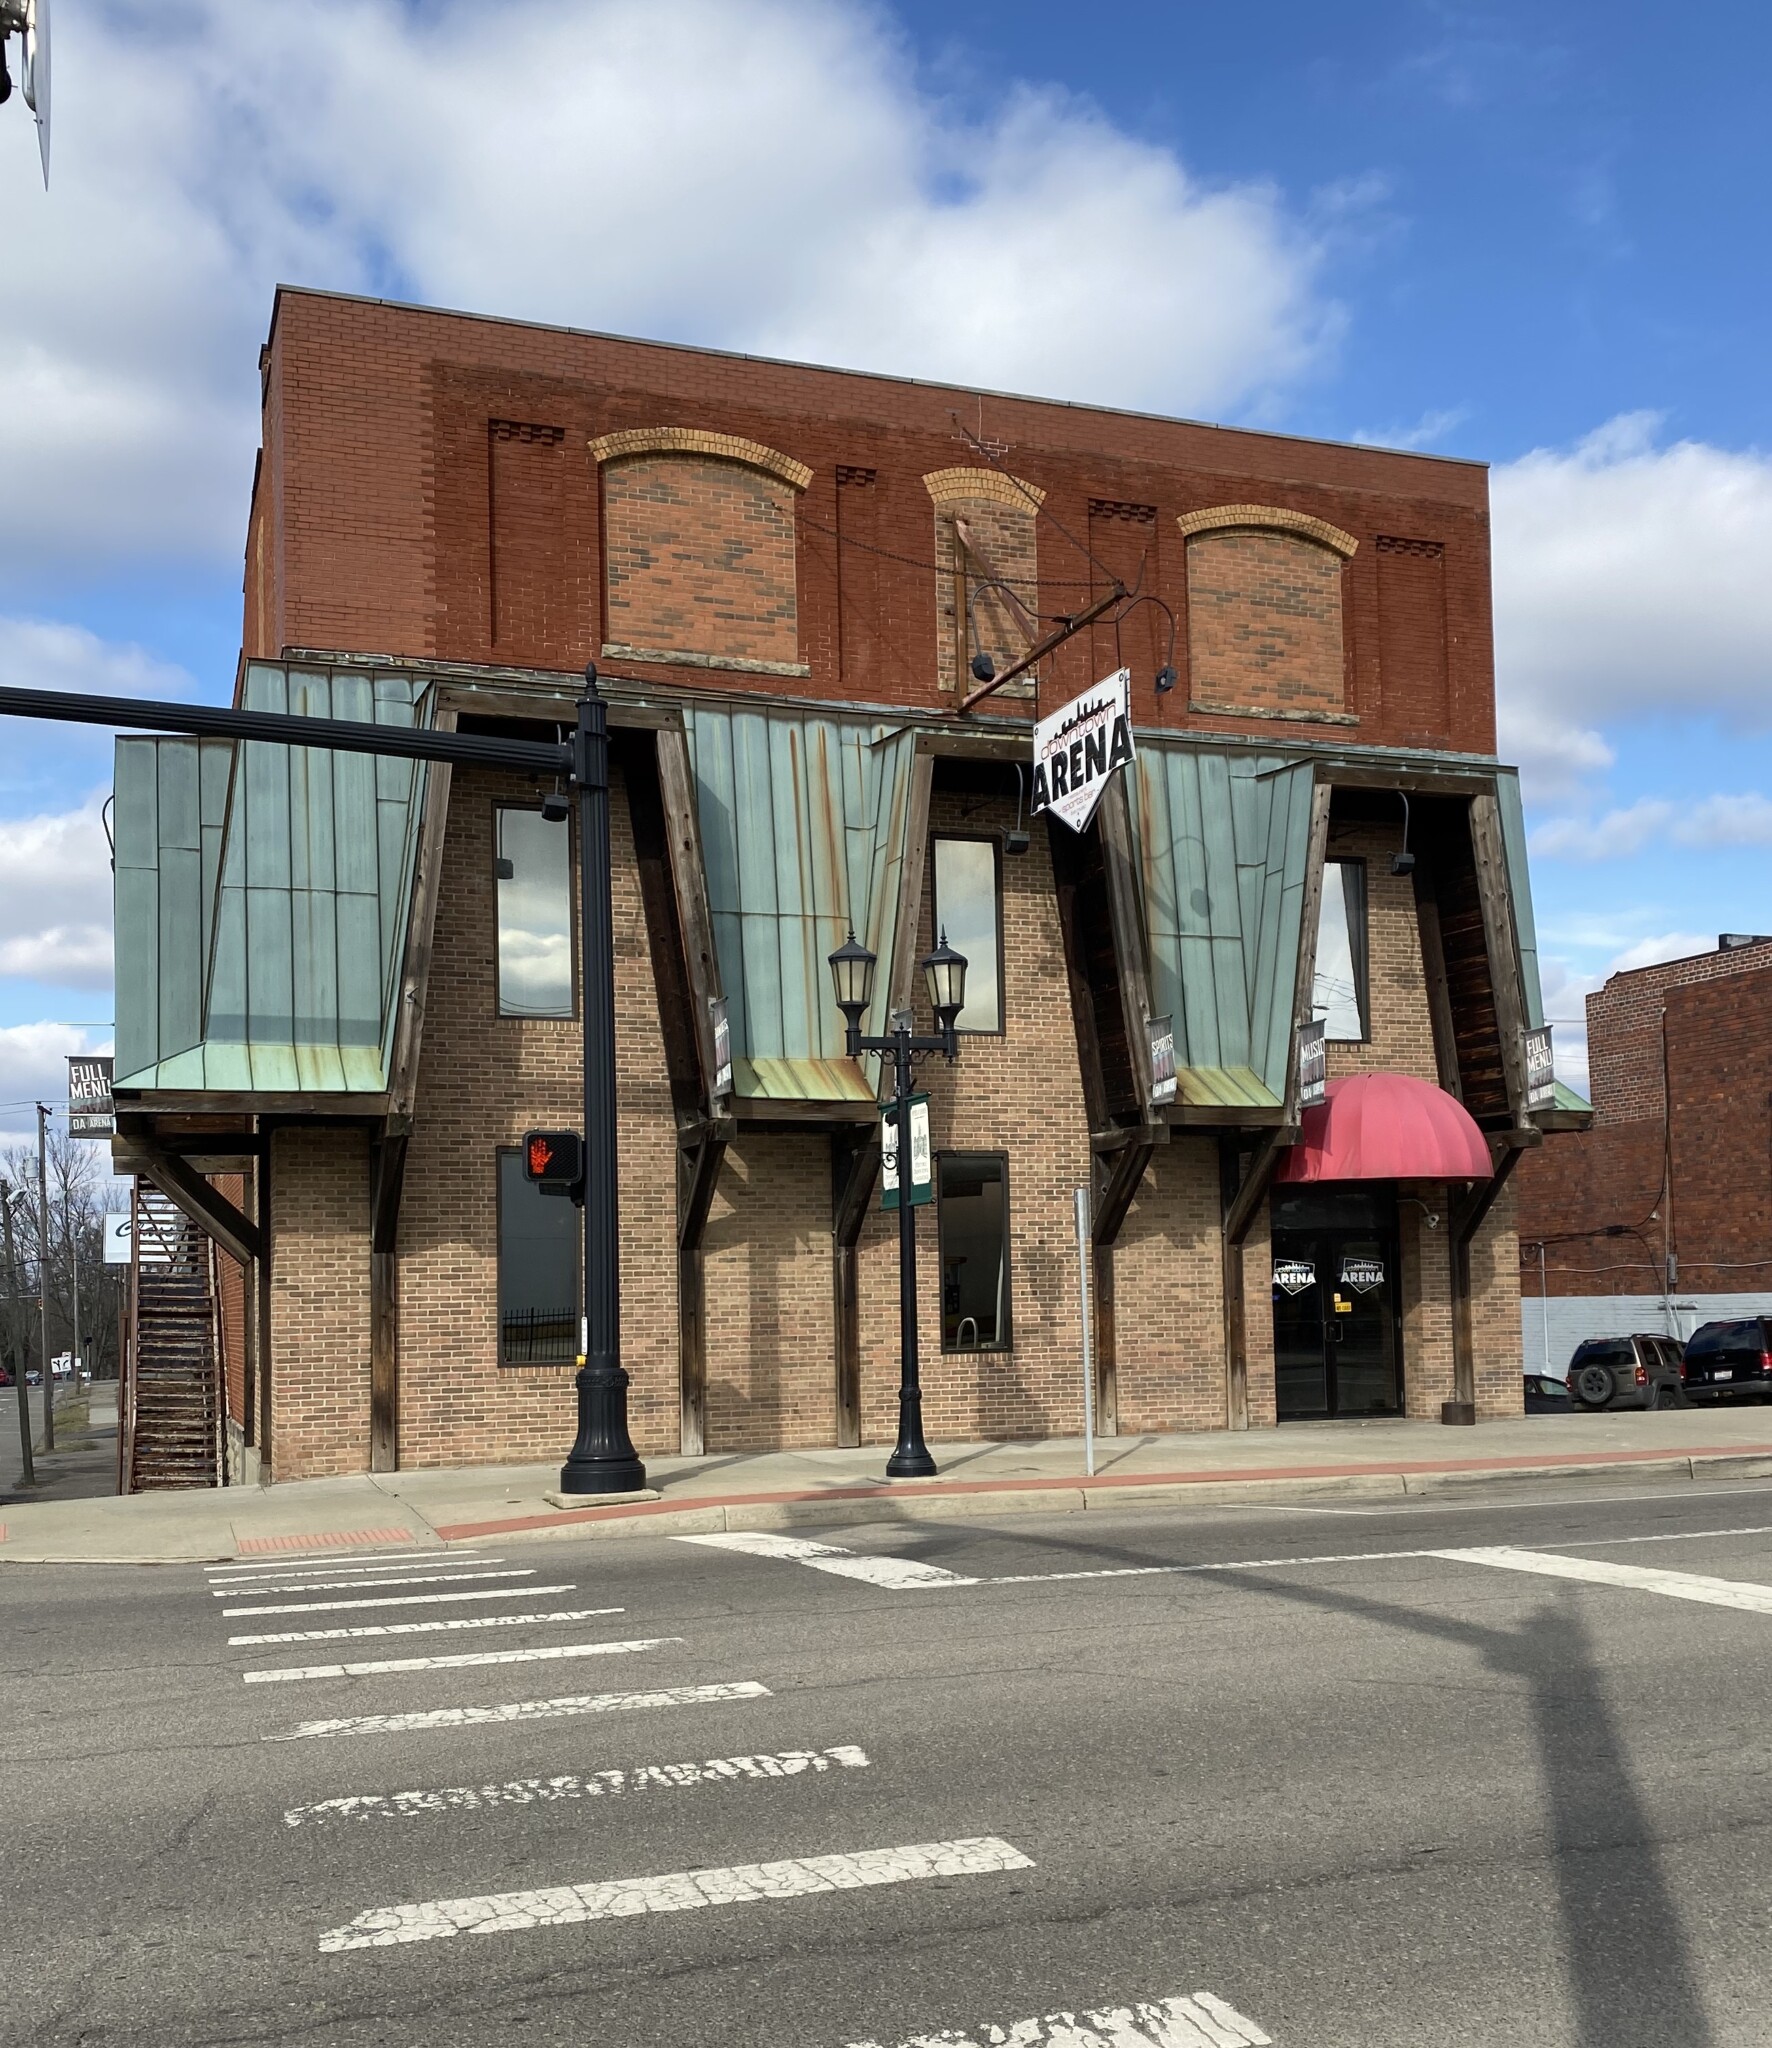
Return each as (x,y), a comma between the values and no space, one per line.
(1660,1217)
(354,985)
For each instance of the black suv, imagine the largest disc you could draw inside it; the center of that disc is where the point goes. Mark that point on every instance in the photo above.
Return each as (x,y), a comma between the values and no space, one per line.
(1725,1360)
(1627,1372)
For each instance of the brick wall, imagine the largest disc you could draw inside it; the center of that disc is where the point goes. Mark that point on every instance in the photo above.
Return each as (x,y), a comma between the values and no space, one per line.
(699,559)
(483,1081)
(232,1278)
(526,480)
(1624,1028)
(1264,624)
(1401,1035)
(320,1301)
(1169,1298)
(1412,645)
(1005,532)
(375,494)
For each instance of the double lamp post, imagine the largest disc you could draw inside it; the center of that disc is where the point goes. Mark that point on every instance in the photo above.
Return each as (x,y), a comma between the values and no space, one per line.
(944,975)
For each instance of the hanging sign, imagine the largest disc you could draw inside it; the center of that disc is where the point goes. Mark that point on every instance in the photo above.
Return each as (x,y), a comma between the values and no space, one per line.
(90,1114)
(722,1047)
(1313,1063)
(1080,746)
(1162,1030)
(1541,1073)
(1293,1276)
(1364,1276)
(922,1155)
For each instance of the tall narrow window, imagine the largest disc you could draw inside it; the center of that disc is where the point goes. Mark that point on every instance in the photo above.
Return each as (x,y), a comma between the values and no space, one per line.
(533,864)
(538,1251)
(968,902)
(1338,995)
(973,1225)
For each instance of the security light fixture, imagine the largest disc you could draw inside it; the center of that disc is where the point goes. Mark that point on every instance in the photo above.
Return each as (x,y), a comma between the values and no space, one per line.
(1403,861)
(1166,680)
(984,669)
(1015,837)
(556,807)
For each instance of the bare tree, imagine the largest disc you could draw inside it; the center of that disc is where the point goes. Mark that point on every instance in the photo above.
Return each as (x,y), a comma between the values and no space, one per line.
(80,1190)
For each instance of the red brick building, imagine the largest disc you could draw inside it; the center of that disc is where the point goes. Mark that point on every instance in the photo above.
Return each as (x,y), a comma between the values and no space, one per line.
(354,986)
(1659,1218)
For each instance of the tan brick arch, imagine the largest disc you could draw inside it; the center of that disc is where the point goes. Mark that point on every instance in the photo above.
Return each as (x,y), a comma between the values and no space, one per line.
(697,441)
(1276,518)
(955,486)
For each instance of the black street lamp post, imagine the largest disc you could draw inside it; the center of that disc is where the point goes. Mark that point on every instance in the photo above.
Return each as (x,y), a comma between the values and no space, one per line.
(944,974)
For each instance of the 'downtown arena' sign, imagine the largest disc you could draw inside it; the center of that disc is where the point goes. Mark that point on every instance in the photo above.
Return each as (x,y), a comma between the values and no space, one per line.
(1080,746)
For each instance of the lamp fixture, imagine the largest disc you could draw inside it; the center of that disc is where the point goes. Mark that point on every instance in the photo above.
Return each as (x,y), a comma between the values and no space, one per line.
(1403,861)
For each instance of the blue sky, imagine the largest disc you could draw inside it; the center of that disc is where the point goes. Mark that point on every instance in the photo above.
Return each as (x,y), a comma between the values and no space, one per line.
(1530,235)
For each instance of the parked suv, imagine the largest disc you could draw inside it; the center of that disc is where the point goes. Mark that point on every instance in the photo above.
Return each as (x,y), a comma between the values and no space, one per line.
(1627,1372)
(1727,1360)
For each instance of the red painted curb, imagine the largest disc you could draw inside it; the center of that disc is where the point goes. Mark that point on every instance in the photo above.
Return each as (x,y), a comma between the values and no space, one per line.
(944,1489)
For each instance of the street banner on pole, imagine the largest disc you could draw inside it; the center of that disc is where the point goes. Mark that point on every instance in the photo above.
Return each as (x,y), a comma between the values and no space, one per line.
(90,1114)
(1541,1072)
(1313,1064)
(1162,1035)
(922,1157)
(1080,746)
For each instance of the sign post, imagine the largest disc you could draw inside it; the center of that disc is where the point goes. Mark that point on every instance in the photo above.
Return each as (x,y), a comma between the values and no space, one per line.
(1088,1335)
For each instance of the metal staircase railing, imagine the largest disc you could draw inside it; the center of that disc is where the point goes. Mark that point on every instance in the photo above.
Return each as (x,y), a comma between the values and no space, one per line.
(171,1407)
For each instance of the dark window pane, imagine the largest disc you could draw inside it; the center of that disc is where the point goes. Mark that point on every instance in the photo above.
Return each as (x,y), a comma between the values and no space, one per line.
(534,915)
(966,909)
(974,1229)
(538,1248)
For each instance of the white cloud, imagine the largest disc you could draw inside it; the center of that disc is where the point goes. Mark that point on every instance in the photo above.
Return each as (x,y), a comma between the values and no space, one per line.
(1617,836)
(1744,820)
(1661,946)
(47,654)
(55,898)
(768,176)
(1630,580)
(34,1068)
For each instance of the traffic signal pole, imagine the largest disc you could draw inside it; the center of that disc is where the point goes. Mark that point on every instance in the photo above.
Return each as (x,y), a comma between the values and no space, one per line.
(602,1460)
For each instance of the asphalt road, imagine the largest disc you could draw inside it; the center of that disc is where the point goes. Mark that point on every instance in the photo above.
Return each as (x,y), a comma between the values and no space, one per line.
(1338,1789)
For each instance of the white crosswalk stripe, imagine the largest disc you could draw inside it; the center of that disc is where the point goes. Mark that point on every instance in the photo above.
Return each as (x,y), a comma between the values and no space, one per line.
(1200,2021)
(606,1784)
(1595,1571)
(523,1710)
(400,1600)
(892,1572)
(420,1628)
(539,1654)
(678,1891)
(518,1571)
(393,1561)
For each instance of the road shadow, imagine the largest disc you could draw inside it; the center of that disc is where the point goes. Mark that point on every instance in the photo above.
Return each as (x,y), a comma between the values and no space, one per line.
(1632,1980)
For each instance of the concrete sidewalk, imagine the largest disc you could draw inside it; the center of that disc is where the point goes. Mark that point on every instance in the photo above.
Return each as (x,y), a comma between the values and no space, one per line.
(1336,1460)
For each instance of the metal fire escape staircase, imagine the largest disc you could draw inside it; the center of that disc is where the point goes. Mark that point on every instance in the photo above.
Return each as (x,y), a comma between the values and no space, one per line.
(172,1397)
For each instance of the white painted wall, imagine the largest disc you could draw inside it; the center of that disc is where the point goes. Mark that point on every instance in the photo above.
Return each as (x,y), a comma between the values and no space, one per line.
(1566,1319)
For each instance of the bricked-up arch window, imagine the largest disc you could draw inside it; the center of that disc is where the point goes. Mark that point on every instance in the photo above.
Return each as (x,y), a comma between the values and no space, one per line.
(1264,613)
(987,570)
(539,1237)
(699,550)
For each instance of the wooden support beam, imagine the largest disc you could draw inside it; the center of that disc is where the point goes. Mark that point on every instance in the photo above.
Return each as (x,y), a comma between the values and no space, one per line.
(699,1158)
(902,967)
(1466,1219)
(1117,1177)
(387,1180)
(1243,1190)
(1114,822)
(689,883)
(1316,853)
(1495,893)
(855,1172)
(205,1205)
(415,969)
(1107,1343)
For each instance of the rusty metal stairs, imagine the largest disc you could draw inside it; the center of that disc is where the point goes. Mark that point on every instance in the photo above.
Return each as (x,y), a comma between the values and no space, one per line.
(172,1398)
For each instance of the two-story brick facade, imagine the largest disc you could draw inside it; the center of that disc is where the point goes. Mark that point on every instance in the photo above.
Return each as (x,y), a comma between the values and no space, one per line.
(354,985)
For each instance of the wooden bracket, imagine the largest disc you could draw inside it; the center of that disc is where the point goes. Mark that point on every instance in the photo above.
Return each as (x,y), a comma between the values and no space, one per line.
(205,1205)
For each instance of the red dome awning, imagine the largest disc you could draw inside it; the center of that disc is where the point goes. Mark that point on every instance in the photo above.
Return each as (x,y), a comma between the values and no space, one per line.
(1387,1127)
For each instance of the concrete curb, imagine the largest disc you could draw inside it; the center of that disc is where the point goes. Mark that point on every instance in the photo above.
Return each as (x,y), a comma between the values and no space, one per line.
(956,1500)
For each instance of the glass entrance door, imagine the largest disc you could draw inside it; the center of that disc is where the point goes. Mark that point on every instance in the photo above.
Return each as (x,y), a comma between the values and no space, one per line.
(1336,1349)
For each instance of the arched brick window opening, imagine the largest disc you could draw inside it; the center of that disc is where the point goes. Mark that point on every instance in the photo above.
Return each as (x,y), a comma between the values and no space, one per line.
(1265,612)
(987,570)
(699,560)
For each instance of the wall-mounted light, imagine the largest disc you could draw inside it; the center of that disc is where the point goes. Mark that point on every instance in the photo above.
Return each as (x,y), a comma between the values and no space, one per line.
(1403,861)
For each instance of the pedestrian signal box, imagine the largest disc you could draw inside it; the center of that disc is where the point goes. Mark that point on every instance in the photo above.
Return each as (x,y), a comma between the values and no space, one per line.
(555,1161)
